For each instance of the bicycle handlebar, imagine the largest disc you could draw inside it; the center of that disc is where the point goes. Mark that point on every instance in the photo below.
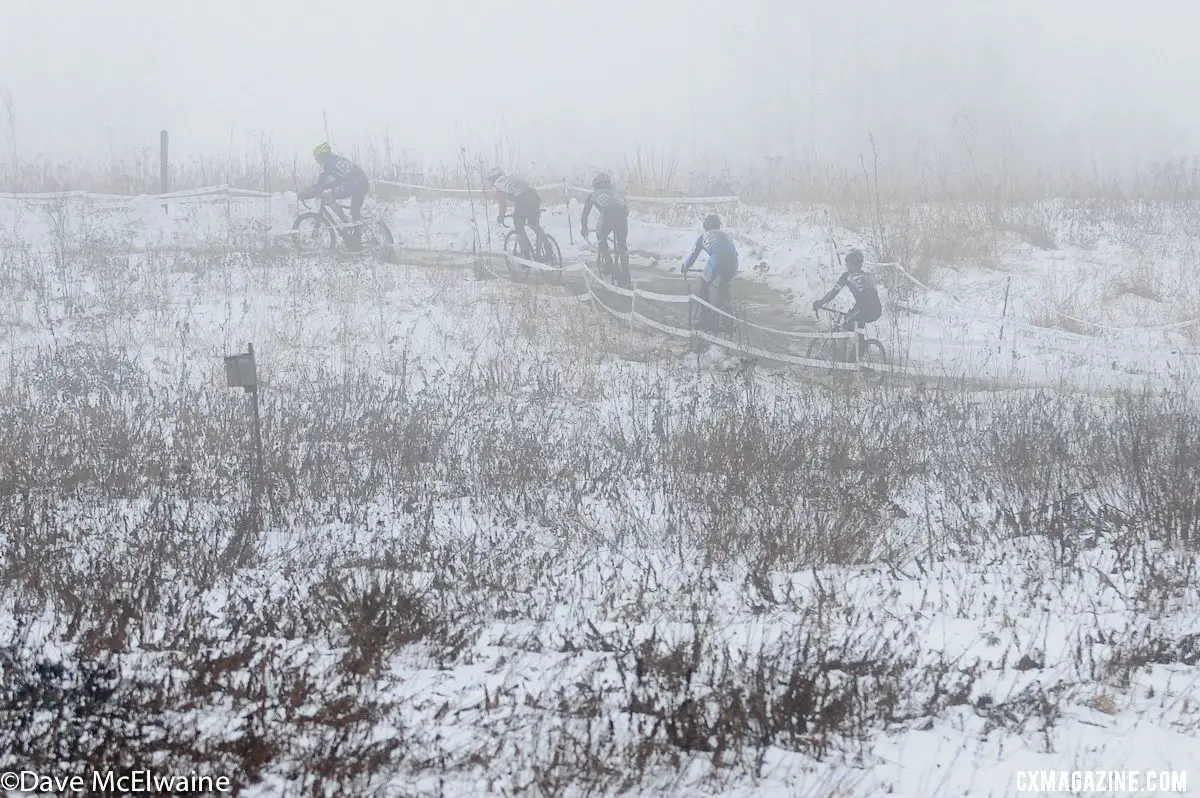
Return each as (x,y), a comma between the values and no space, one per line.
(306,196)
(836,315)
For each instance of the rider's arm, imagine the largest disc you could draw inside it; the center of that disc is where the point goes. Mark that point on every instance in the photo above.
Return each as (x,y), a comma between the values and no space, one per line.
(834,291)
(587,209)
(691,259)
(329,178)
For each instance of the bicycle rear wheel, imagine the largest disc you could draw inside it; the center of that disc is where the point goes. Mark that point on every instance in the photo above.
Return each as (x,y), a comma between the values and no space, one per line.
(871,355)
(605,262)
(377,237)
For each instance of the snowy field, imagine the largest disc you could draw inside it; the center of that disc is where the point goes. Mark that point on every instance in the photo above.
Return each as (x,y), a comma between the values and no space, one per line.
(509,547)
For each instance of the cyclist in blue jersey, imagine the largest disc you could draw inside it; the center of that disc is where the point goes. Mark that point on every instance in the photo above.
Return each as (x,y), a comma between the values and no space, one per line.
(527,205)
(614,218)
(867,307)
(722,263)
(346,180)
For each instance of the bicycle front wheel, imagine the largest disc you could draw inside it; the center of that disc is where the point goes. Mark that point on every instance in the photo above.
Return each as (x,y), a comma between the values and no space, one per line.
(311,231)
(512,247)
(552,256)
(820,349)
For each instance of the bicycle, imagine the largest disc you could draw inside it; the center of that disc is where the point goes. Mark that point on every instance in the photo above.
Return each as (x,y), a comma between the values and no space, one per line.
(324,223)
(868,354)
(609,267)
(711,321)
(545,252)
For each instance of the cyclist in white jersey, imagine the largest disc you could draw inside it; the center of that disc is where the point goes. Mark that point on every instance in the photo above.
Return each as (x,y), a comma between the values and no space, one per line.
(527,205)
(614,217)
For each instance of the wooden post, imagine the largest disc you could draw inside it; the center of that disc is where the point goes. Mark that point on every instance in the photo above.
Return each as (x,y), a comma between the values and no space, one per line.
(692,340)
(632,289)
(163,177)
(258,445)
(242,372)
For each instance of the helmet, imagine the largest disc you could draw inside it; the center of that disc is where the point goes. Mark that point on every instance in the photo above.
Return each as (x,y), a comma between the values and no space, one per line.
(854,258)
(712,222)
(322,149)
(602,180)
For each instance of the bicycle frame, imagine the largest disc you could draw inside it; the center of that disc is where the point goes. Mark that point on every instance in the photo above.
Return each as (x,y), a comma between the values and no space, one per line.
(329,216)
(839,319)
(611,238)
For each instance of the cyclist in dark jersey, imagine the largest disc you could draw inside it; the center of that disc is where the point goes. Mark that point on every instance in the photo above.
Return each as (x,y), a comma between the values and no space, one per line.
(526,204)
(346,180)
(721,267)
(867,307)
(614,217)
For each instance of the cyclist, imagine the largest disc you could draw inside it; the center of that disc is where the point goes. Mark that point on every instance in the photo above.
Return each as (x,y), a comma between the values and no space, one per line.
(721,267)
(346,180)
(614,218)
(526,203)
(867,307)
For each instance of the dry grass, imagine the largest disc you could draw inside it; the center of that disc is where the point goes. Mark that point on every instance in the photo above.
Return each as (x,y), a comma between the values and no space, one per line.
(418,514)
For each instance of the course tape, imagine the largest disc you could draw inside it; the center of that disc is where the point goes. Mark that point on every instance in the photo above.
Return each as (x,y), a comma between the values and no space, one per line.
(1172,327)
(632,316)
(785,333)
(226,193)
(209,193)
(560,187)
(616,289)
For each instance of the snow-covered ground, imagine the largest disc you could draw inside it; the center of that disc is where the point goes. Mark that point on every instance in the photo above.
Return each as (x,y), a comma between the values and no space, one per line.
(1102,310)
(511,548)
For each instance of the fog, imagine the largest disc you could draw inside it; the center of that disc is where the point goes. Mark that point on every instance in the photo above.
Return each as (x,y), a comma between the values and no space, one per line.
(1050,83)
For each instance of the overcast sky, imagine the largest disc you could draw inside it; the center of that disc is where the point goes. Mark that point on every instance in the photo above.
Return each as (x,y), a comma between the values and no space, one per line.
(1048,82)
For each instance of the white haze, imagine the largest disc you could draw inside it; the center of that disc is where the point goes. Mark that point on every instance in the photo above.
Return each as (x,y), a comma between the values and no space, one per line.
(1043,83)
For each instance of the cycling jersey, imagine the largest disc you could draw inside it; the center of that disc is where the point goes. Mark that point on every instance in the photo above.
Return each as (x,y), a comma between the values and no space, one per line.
(337,171)
(608,200)
(512,186)
(722,253)
(862,288)
(612,205)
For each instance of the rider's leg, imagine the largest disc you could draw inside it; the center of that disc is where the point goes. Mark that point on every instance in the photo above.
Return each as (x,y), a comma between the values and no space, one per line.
(852,324)
(534,202)
(356,203)
(525,213)
(603,228)
(621,234)
(519,222)
(724,283)
(712,279)
(335,195)
(705,292)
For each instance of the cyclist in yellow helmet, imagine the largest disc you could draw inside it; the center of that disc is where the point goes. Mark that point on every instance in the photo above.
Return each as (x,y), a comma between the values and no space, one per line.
(345,179)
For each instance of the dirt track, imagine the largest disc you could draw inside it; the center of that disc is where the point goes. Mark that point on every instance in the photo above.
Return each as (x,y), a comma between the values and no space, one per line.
(752,301)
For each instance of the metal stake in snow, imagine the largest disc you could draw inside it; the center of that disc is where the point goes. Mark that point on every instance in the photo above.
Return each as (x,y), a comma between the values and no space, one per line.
(1004,313)
(567,204)
(163,179)
(241,372)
